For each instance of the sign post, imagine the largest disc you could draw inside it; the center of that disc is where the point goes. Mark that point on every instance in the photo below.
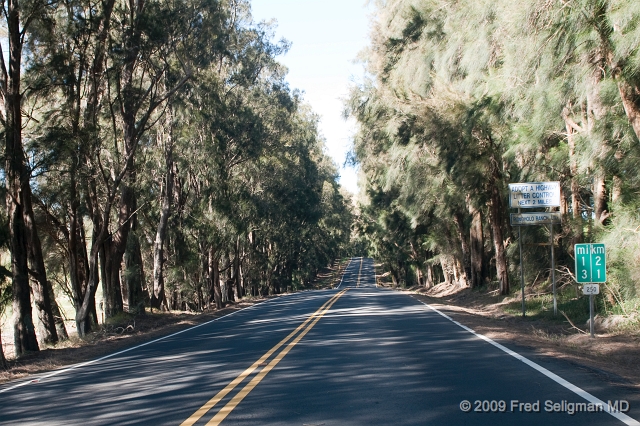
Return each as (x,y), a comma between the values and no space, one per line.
(591,267)
(533,195)
(524,309)
(553,271)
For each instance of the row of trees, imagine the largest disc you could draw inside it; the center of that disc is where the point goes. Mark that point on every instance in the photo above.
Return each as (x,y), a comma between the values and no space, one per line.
(155,150)
(464,97)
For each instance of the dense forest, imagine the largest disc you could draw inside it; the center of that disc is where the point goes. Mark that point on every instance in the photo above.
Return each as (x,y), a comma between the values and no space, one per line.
(463,98)
(154,150)
(155,153)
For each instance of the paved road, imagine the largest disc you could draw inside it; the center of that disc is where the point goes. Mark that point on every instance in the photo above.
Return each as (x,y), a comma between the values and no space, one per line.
(354,355)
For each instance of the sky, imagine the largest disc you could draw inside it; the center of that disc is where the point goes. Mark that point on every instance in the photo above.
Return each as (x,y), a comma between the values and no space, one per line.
(326,37)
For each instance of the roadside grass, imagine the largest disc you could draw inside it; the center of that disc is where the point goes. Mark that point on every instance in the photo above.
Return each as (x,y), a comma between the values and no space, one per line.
(540,307)
(573,308)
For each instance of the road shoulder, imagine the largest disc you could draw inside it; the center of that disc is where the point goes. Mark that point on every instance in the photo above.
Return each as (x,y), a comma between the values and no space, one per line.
(612,356)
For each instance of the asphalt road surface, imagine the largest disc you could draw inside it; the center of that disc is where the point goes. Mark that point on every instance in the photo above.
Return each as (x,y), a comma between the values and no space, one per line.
(353,355)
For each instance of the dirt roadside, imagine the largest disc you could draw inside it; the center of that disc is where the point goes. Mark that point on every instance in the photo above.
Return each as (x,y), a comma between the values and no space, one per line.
(613,355)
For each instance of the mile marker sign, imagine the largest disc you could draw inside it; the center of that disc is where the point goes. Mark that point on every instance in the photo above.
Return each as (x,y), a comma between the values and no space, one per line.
(591,263)
(590,289)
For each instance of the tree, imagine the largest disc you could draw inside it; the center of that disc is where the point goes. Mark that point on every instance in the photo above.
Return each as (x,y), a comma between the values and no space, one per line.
(24,240)
(5,299)
(464,97)
(150,143)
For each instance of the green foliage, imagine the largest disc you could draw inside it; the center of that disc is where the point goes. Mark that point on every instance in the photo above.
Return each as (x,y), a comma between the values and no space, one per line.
(124,104)
(541,307)
(622,239)
(465,97)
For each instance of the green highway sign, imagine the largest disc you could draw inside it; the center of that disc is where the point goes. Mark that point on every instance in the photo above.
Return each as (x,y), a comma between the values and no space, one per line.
(591,263)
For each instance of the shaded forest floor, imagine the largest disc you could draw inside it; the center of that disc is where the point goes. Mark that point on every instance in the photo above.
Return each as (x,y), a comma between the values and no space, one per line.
(613,354)
(128,331)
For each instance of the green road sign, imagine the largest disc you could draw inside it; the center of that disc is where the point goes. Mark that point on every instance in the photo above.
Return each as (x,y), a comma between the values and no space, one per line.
(591,263)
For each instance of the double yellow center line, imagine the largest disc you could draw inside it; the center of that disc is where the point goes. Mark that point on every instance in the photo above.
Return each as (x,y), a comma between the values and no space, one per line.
(307,325)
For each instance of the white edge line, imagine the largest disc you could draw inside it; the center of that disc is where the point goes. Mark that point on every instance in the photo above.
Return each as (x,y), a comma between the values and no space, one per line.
(345,271)
(575,389)
(375,277)
(36,379)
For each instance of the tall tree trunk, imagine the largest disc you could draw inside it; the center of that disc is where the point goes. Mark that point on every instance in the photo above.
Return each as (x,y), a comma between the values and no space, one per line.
(616,189)
(61,329)
(497,222)
(78,259)
(115,246)
(78,284)
(41,288)
(476,245)
(213,274)
(136,108)
(631,102)
(576,209)
(134,275)
(237,272)
(465,277)
(158,295)
(275,279)
(42,301)
(3,360)
(429,279)
(113,254)
(600,205)
(86,315)
(76,247)
(229,284)
(111,294)
(418,276)
(596,111)
(18,190)
(447,264)
(84,323)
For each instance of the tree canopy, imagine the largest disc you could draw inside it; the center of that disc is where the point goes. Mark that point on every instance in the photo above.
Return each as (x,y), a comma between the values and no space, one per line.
(464,97)
(155,151)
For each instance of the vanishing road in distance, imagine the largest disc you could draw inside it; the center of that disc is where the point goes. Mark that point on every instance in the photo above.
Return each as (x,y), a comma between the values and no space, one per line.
(352,355)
